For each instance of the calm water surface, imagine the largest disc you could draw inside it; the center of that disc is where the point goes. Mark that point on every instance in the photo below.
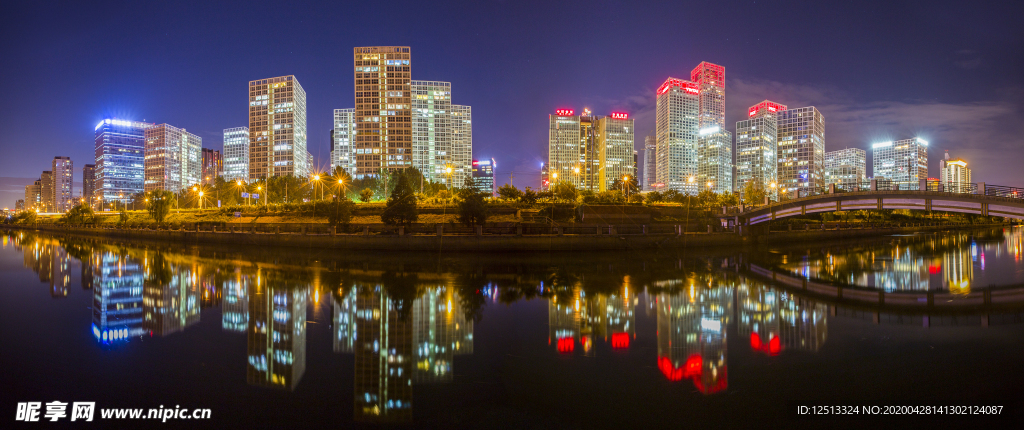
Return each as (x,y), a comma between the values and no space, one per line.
(293,337)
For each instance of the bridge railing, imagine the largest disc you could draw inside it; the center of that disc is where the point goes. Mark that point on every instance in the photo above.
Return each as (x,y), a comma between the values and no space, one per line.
(1003,191)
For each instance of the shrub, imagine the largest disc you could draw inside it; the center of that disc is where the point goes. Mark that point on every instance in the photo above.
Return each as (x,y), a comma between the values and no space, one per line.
(401,206)
(366,195)
(473,209)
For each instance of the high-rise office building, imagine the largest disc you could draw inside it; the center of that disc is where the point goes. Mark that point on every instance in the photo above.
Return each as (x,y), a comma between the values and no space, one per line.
(213,165)
(904,162)
(432,137)
(277,128)
(801,150)
(677,130)
(650,163)
(311,163)
(462,144)
(120,166)
(714,142)
(63,180)
(613,137)
(46,201)
(483,176)
(89,184)
(846,166)
(173,158)
(342,137)
(34,195)
(955,175)
(573,156)
(757,148)
(236,153)
(383,109)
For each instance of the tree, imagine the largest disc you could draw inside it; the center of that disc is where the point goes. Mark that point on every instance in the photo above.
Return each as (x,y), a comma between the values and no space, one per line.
(473,209)
(564,191)
(366,195)
(160,204)
(530,196)
(631,185)
(81,214)
(401,206)
(655,197)
(754,193)
(510,193)
(339,211)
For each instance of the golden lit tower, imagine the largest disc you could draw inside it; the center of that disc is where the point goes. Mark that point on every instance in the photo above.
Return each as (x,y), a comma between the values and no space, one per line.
(383,113)
(277,128)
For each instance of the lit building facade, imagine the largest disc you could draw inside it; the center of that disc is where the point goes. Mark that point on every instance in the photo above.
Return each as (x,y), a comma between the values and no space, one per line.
(483,176)
(33,195)
(46,201)
(650,163)
(213,165)
(574,155)
(846,166)
(89,184)
(757,148)
(955,175)
(120,165)
(63,179)
(801,150)
(614,140)
(173,158)
(277,128)
(383,110)
(904,162)
(714,142)
(677,123)
(236,153)
(462,144)
(432,129)
(342,137)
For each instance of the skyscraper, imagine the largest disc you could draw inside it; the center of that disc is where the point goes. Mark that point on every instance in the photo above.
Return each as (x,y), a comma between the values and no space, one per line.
(432,129)
(904,162)
(89,184)
(63,179)
(120,168)
(342,136)
(846,166)
(572,149)
(650,163)
(34,196)
(462,144)
(483,176)
(173,158)
(46,201)
(213,165)
(801,155)
(277,128)
(614,140)
(236,153)
(955,175)
(757,147)
(677,128)
(383,110)
(714,144)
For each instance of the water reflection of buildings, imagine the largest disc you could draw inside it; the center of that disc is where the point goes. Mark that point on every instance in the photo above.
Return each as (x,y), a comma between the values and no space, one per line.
(170,298)
(776,321)
(234,305)
(117,309)
(392,350)
(583,317)
(51,262)
(691,335)
(276,334)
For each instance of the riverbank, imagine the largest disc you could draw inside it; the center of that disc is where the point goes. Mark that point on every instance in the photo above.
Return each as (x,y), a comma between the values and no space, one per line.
(514,239)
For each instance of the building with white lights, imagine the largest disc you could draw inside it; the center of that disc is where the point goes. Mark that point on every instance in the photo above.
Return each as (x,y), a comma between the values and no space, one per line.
(904,162)
(63,179)
(614,140)
(383,109)
(462,144)
(120,168)
(757,148)
(801,150)
(650,163)
(342,136)
(483,176)
(212,165)
(173,159)
(955,175)
(236,154)
(677,130)
(714,142)
(89,184)
(46,202)
(846,166)
(277,128)
(572,149)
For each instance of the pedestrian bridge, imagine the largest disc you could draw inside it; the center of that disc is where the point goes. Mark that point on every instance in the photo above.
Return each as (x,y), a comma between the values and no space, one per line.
(990,200)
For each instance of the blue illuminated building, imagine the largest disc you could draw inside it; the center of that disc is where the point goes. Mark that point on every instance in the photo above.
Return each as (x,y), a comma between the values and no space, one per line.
(120,149)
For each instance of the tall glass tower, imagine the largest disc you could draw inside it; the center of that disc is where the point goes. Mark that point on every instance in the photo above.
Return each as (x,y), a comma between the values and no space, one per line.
(677,127)
(236,153)
(120,168)
(277,128)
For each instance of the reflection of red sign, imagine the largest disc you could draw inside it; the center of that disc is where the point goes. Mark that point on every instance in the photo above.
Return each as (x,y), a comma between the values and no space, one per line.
(564,112)
(933,269)
(620,115)
(566,344)
(774,344)
(620,340)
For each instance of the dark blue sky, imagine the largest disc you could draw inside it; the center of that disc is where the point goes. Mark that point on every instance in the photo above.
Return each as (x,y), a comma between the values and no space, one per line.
(952,72)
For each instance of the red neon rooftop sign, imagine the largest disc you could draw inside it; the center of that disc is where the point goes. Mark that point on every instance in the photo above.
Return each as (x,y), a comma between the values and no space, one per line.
(620,115)
(766,105)
(564,112)
(687,86)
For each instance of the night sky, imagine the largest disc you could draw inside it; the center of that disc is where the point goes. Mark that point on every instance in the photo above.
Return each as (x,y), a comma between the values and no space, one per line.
(950,72)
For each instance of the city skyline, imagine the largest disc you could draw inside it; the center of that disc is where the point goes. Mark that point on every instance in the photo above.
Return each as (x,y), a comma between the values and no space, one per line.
(861,107)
